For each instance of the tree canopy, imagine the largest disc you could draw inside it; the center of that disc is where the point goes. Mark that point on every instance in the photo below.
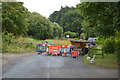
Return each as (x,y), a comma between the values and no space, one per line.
(16,19)
(90,18)
(68,17)
(101,17)
(13,18)
(41,27)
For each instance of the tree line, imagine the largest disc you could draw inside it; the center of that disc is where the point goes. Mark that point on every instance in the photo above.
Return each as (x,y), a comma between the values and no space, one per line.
(99,19)
(16,19)
(87,19)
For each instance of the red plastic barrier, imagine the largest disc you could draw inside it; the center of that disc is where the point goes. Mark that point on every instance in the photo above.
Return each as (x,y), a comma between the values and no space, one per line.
(54,49)
(75,52)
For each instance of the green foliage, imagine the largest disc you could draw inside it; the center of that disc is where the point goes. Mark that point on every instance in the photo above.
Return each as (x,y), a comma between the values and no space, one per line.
(13,18)
(41,28)
(57,30)
(7,39)
(71,21)
(72,34)
(12,45)
(109,61)
(102,17)
(57,15)
(117,39)
(68,17)
(104,60)
(58,41)
(118,50)
(109,45)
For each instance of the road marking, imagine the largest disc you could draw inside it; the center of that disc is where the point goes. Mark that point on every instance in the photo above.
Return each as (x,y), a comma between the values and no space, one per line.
(48,76)
(48,65)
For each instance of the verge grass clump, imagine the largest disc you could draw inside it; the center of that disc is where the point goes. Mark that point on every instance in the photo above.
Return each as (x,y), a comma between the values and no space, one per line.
(108,59)
(10,44)
(58,42)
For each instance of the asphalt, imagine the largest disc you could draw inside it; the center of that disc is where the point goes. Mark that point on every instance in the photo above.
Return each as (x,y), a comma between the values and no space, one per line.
(43,66)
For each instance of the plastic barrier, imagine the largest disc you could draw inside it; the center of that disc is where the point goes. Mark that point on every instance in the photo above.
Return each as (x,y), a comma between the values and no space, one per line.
(56,49)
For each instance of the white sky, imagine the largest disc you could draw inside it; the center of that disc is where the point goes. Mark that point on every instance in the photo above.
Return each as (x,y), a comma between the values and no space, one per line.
(47,7)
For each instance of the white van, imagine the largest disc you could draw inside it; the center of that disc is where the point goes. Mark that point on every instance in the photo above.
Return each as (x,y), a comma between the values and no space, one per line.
(92,39)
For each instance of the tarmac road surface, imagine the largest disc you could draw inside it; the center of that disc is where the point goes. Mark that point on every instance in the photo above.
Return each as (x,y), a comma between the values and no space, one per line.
(43,66)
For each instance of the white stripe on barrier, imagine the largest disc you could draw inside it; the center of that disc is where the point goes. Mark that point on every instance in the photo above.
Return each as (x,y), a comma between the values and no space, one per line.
(43,44)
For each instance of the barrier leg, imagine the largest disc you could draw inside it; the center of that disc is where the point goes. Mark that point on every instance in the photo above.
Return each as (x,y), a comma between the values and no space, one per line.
(47,53)
(64,54)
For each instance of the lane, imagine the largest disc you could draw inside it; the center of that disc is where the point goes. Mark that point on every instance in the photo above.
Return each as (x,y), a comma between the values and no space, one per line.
(43,66)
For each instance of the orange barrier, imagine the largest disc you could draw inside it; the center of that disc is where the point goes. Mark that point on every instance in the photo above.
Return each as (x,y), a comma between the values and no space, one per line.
(75,53)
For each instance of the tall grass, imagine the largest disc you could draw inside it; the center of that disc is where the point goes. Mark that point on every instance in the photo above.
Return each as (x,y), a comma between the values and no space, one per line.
(58,42)
(11,44)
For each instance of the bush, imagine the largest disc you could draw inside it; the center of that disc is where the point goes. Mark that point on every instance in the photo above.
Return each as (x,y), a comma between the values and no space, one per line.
(109,45)
(118,46)
(7,39)
(72,34)
(10,44)
(118,50)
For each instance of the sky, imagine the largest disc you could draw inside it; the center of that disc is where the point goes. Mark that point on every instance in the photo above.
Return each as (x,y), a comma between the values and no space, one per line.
(47,7)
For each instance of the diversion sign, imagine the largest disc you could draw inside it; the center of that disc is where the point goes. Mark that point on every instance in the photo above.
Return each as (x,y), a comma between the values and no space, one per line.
(54,49)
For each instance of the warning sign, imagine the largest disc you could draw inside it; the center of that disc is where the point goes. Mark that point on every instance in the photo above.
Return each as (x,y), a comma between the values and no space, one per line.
(54,49)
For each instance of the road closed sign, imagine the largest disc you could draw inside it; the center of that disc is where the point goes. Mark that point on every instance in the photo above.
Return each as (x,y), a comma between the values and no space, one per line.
(54,49)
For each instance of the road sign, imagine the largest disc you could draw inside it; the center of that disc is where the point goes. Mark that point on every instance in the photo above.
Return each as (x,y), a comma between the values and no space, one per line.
(54,49)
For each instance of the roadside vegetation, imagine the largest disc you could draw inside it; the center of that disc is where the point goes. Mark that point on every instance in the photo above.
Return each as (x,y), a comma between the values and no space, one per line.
(109,60)
(22,30)
(27,44)
(104,59)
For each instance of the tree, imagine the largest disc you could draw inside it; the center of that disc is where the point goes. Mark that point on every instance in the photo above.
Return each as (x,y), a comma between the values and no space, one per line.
(102,17)
(57,30)
(57,15)
(69,18)
(41,28)
(13,18)
(71,21)
(0,17)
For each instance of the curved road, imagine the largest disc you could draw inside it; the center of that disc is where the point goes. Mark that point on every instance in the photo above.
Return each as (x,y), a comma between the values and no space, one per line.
(43,66)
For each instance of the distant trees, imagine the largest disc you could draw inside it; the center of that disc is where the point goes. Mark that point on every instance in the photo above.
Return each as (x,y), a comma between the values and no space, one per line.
(41,28)
(16,19)
(56,16)
(57,30)
(71,21)
(68,17)
(92,19)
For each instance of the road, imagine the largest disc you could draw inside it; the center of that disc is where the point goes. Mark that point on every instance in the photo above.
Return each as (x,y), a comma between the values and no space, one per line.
(43,66)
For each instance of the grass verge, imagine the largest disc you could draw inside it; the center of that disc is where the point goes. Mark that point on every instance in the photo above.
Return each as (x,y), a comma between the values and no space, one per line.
(22,45)
(109,60)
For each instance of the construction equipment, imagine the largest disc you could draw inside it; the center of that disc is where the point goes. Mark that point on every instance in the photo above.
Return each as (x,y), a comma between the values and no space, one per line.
(83,45)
